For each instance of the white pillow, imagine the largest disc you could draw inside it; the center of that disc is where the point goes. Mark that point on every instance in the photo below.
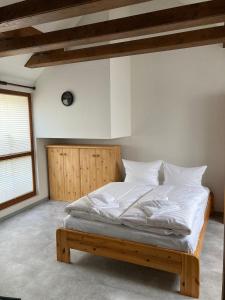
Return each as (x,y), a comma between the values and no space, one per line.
(142,172)
(174,175)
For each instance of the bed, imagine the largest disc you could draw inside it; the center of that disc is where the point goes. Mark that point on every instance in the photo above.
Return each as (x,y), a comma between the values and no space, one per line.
(175,254)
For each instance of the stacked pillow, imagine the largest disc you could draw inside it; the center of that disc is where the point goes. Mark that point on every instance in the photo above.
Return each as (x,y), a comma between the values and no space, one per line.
(141,172)
(148,173)
(174,175)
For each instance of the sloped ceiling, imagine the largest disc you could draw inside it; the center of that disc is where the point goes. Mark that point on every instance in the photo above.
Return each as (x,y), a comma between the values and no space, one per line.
(8,2)
(13,67)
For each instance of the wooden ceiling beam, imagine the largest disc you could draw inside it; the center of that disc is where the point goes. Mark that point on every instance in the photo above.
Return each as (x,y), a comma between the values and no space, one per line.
(155,44)
(154,22)
(34,12)
(28,31)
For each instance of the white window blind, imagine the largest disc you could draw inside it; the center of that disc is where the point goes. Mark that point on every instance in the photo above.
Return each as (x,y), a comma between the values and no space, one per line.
(15,178)
(14,124)
(16,153)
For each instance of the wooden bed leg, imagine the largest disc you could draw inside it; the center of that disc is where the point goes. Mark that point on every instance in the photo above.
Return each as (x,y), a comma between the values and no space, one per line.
(189,279)
(63,252)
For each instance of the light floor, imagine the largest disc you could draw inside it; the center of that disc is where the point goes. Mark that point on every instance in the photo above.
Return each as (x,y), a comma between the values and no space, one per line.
(28,268)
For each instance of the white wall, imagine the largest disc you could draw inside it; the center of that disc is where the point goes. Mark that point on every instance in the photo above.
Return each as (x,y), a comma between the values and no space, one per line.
(88,117)
(178,111)
(120,87)
(120,94)
(102,107)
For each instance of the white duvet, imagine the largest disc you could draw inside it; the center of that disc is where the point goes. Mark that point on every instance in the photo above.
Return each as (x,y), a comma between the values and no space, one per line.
(125,193)
(187,201)
(179,221)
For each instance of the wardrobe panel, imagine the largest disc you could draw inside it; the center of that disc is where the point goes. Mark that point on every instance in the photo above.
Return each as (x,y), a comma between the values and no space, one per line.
(71,173)
(56,174)
(88,170)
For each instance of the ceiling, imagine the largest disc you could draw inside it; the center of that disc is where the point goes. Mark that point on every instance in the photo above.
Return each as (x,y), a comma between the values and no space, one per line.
(8,2)
(13,67)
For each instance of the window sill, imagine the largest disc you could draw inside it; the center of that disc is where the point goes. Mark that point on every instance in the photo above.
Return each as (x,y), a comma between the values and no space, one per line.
(17,200)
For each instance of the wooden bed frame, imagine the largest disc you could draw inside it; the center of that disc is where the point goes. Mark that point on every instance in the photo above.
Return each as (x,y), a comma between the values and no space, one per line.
(181,263)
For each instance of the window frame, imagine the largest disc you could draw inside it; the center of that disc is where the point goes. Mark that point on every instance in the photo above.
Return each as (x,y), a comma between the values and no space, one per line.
(22,154)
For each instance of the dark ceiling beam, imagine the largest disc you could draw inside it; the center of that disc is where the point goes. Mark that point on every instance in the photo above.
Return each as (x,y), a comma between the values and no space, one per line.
(154,22)
(33,12)
(155,44)
(29,31)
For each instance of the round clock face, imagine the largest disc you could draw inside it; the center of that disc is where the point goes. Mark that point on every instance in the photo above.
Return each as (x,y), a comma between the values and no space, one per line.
(67,98)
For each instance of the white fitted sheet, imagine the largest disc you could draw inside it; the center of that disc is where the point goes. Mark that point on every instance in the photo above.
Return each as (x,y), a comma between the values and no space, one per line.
(186,244)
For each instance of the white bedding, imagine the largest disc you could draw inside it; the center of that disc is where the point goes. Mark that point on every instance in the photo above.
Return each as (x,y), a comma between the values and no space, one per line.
(125,193)
(186,244)
(186,201)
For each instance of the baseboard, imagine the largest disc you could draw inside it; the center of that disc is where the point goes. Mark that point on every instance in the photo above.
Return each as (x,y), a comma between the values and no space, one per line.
(23,209)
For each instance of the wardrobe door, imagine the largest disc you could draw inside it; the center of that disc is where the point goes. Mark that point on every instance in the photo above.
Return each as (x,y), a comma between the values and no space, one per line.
(71,174)
(56,173)
(87,170)
(106,166)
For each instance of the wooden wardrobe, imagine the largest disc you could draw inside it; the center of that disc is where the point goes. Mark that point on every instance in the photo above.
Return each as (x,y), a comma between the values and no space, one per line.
(76,170)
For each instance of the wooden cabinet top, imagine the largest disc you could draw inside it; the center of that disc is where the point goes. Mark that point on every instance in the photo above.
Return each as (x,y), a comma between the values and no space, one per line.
(83,146)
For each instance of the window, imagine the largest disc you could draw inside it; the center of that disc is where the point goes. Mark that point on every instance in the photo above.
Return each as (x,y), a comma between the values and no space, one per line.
(17,173)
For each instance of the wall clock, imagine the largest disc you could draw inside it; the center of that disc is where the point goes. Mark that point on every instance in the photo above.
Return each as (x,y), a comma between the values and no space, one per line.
(67,98)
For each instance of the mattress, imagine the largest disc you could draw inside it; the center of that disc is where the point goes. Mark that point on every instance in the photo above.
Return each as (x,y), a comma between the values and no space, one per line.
(186,244)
